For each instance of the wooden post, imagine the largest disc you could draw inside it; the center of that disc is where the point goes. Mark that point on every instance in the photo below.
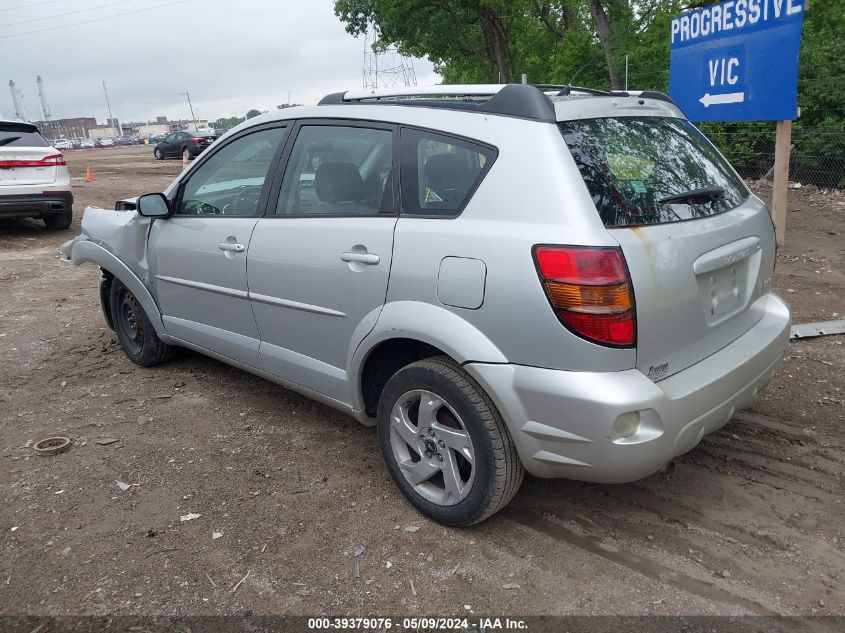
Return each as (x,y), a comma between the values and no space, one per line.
(783,140)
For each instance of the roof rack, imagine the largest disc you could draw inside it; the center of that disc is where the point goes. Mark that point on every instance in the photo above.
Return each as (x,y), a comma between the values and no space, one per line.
(516,100)
(526,101)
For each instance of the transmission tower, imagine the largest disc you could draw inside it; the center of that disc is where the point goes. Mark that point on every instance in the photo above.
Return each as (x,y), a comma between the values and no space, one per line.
(385,68)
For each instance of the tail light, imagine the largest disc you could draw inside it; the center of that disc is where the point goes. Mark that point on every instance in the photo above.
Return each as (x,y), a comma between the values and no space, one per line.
(590,291)
(198,140)
(54,160)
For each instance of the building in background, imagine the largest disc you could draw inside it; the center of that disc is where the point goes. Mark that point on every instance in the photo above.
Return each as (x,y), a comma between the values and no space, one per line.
(76,127)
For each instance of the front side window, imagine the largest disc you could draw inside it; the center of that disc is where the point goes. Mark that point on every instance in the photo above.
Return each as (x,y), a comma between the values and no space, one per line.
(650,170)
(230,181)
(439,173)
(336,170)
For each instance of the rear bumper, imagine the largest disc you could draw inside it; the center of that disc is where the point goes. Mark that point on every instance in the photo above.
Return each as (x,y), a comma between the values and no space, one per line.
(35,205)
(562,421)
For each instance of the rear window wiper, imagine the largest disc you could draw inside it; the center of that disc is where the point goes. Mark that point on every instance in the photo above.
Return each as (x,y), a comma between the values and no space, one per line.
(11,139)
(705,194)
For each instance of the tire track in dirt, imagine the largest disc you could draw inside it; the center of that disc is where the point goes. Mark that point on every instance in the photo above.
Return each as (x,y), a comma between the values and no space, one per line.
(549,524)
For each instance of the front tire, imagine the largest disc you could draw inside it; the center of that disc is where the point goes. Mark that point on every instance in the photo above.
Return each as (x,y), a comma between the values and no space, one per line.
(445,444)
(159,155)
(58,221)
(134,331)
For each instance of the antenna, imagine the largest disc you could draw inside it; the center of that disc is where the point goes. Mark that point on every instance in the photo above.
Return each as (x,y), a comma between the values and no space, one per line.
(385,67)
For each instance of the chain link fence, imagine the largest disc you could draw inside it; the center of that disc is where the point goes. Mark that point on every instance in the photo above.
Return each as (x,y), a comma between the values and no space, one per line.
(817,156)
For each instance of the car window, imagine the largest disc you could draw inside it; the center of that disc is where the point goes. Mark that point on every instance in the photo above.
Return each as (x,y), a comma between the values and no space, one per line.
(632,166)
(439,173)
(20,135)
(338,170)
(231,180)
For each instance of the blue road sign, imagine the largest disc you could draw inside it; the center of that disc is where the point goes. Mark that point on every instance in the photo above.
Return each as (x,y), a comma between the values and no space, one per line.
(737,60)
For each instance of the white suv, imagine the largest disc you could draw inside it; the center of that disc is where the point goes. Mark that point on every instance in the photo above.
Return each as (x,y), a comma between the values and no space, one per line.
(34,178)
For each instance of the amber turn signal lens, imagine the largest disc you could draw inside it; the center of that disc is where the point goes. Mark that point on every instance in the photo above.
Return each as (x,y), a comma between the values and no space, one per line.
(594,299)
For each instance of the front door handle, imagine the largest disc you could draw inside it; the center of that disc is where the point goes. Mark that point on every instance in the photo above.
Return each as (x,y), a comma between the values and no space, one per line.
(230,246)
(370,259)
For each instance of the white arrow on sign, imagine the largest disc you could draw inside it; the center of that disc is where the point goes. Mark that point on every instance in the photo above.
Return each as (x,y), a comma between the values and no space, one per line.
(732,97)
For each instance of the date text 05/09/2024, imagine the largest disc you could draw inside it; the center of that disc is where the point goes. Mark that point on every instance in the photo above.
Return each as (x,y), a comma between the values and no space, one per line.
(416,624)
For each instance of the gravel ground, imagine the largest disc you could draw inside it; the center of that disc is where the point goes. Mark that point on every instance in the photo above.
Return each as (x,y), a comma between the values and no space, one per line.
(750,522)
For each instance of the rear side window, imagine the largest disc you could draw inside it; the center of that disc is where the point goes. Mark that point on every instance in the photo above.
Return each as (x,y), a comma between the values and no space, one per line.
(439,173)
(632,166)
(20,135)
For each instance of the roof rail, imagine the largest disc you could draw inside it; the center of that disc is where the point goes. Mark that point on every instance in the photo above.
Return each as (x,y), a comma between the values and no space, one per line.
(525,101)
(564,90)
(516,100)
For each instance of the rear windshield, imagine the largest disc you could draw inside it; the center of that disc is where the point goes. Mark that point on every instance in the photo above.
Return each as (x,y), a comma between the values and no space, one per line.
(20,135)
(630,164)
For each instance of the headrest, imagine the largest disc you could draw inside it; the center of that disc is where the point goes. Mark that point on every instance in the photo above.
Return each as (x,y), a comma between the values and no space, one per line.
(339,182)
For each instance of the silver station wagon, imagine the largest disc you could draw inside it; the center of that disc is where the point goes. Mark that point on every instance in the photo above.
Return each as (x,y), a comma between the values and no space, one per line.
(501,278)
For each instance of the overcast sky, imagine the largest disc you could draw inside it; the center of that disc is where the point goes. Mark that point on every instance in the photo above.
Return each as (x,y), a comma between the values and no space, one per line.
(231,55)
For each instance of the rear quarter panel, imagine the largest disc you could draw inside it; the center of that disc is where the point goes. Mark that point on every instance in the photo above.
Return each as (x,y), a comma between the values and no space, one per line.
(533,194)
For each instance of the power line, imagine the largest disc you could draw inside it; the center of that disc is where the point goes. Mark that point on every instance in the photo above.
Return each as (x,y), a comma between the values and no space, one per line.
(59,15)
(106,17)
(26,6)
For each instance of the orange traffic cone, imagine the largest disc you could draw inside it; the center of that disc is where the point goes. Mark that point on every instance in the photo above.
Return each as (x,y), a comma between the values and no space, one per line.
(89,174)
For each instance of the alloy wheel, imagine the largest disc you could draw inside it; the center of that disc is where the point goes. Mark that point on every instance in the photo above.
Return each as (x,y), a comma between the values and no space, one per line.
(432,447)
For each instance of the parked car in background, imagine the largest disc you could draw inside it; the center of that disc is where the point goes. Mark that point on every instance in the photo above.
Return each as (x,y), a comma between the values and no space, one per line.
(567,281)
(62,143)
(87,143)
(34,178)
(104,141)
(183,144)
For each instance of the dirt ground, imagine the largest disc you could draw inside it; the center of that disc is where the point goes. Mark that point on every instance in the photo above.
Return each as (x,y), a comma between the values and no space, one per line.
(752,521)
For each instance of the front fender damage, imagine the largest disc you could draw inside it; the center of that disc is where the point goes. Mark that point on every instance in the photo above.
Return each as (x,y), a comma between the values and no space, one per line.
(117,242)
(121,233)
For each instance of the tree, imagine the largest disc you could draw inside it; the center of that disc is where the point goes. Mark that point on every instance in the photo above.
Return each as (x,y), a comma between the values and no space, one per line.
(447,31)
(252,113)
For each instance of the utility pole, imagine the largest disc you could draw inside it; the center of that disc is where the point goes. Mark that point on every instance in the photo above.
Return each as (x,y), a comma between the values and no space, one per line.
(111,118)
(193,116)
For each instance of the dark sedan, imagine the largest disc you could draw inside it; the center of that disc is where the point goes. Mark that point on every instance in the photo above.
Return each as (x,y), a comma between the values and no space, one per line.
(182,144)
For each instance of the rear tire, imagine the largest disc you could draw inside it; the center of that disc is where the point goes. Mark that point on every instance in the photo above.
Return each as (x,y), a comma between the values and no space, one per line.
(186,154)
(445,444)
(134,331)
(59,221)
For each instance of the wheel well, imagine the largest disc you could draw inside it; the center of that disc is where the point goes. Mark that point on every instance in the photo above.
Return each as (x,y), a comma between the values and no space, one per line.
(385,360)
(105,296)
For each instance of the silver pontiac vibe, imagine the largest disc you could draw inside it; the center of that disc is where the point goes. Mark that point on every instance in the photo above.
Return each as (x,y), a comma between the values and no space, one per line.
(559,280)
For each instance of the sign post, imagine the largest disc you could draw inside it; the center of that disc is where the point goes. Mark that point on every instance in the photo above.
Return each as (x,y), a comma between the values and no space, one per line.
(783,139)
(738,61)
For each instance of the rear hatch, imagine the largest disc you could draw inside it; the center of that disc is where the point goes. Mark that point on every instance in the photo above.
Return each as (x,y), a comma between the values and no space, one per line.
(699,247)
(22,156)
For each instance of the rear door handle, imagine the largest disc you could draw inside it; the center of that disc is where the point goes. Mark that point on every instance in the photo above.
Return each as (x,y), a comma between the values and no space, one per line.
(230,246)
(370,259)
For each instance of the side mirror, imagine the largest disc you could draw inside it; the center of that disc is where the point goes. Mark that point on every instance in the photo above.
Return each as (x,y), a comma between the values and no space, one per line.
(153,205)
